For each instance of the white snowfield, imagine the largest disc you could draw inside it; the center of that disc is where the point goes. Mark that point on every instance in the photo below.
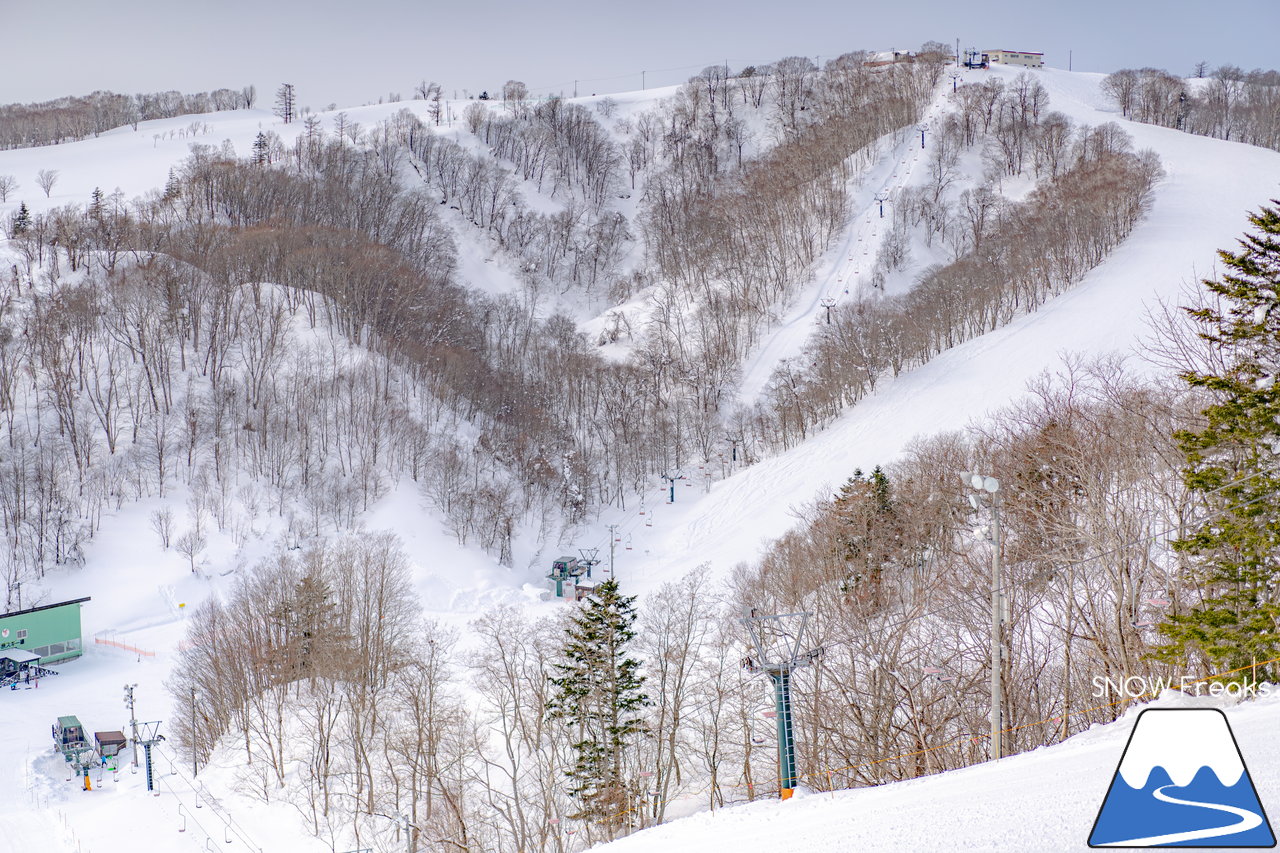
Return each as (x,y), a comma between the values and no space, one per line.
(1044,801)
(1039,802)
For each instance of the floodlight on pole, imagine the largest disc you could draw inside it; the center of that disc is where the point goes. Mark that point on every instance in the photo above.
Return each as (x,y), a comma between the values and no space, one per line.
(777,641)
(989,487)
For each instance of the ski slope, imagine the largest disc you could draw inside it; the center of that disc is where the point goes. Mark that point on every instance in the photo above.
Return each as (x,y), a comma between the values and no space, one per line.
(1043,801)
(1198,208)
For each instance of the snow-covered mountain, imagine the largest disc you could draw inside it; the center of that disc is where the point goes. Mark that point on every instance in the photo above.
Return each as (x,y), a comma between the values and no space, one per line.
(1045,800)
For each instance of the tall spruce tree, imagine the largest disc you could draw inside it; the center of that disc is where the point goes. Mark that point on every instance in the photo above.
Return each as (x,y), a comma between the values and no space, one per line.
(21,220)
(1234,464)
(598,693)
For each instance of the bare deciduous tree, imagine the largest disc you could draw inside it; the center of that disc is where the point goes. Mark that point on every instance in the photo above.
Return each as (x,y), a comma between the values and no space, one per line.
(45,179)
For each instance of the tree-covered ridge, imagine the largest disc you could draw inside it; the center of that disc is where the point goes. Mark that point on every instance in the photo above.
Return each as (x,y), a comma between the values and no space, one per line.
(79,117)
(1228,104)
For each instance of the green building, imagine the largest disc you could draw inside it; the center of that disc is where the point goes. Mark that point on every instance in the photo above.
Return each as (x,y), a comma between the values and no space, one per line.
(51,632)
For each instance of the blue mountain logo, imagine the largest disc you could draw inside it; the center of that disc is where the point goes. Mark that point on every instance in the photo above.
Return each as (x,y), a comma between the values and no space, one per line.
(1181,782)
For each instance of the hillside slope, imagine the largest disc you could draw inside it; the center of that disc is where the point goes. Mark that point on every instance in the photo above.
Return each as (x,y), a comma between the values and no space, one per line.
(1039,802)
(1198,208)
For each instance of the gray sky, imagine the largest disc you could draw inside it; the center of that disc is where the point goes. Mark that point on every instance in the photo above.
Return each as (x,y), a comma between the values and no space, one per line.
(351,52)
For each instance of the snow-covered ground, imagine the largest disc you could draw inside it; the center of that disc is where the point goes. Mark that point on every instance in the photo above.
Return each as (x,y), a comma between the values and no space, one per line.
(1041,801)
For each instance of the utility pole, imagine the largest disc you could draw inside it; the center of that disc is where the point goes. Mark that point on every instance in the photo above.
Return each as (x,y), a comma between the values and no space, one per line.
(613,540)
(989,487)
(776,653)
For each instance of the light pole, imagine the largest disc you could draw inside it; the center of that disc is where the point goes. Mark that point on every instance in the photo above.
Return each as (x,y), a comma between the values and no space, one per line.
(989,488)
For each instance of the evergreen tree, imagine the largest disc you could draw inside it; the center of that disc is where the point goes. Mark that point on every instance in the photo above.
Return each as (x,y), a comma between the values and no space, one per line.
(1234,463)
(260,147)
(869,533)
(21,220)
(172,187)
(599,694)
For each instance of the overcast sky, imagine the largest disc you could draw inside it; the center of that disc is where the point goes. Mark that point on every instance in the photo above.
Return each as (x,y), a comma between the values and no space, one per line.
(352,52)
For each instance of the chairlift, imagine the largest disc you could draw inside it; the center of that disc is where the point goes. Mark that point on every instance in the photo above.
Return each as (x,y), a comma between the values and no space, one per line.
(1143,623)
(1156,602)
(770,714)
(757,739)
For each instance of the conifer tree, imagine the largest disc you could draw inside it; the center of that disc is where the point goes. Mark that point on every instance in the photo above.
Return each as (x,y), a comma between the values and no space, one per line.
(869,535)
(21,220)
(260,149)
(1234,464)
(598,693)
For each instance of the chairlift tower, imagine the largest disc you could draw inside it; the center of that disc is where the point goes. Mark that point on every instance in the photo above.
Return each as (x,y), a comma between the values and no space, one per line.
(587,557)
(828,302)
(880,198)
(671,478)
(776,641)
(151,737)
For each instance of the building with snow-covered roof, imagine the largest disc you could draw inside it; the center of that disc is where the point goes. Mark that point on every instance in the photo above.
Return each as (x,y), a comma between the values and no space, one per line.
(1016,57)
